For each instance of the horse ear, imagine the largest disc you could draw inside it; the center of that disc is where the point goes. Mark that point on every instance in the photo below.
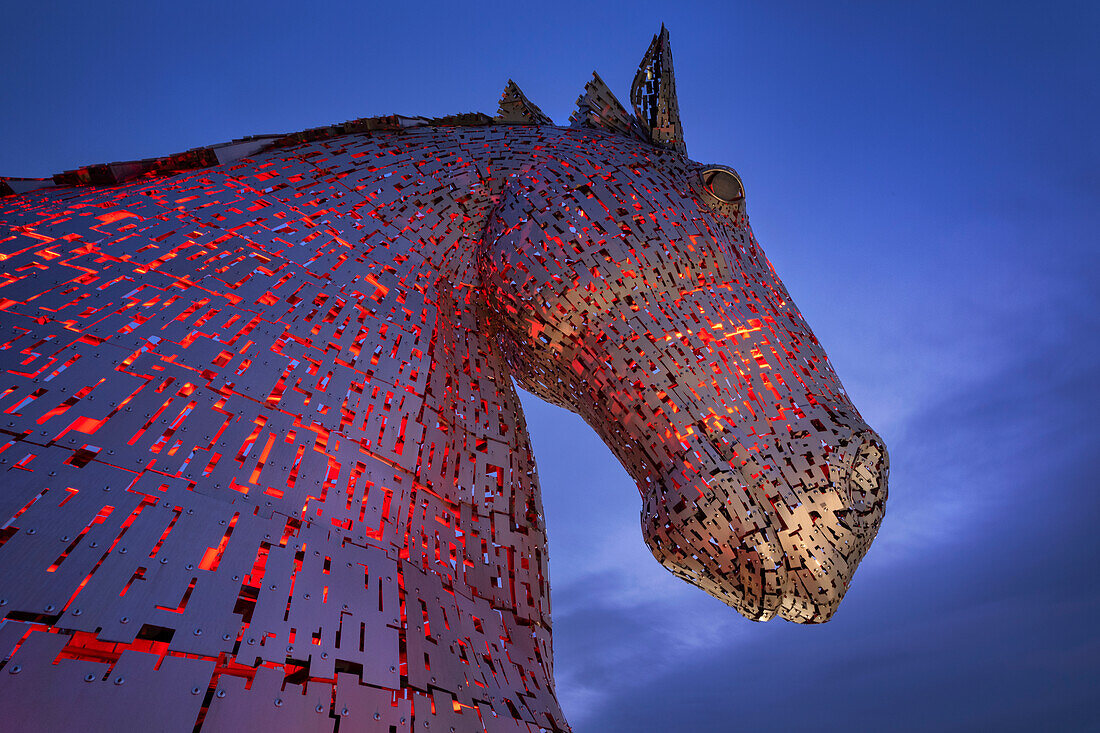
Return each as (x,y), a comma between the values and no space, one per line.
(598,108)
(653,95)
(516,109)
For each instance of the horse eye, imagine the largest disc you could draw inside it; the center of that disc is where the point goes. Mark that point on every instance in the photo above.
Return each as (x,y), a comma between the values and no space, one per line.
(724,185)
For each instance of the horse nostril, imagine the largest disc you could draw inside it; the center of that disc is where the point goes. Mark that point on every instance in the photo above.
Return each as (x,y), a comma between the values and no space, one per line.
(867,480)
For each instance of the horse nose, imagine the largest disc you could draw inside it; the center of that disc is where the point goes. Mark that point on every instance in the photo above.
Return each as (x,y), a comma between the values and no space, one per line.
(867,484)
(822,569)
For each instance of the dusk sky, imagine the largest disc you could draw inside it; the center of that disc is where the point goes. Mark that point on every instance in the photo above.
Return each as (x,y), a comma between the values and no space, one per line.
(925,177)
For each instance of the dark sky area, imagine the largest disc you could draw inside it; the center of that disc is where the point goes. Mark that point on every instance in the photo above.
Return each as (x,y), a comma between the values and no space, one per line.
(925,178)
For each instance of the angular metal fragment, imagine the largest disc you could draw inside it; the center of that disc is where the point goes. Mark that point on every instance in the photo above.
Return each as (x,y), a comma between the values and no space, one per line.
(653,95)
(598,108)
(516,109)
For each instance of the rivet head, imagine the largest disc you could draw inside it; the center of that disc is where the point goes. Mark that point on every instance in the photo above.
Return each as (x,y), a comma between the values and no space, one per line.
(125,619)
(393,669)
(198,632)
(319,707)
(49,607)
(194,690)
(220,693)
(278,702)
(377,716)
(119,680)
(77,611)
(344,711)
(89,678)
(15,669)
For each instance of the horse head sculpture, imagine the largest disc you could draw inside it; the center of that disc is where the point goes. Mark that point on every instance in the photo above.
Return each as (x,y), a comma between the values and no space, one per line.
(634,293)
(262,459)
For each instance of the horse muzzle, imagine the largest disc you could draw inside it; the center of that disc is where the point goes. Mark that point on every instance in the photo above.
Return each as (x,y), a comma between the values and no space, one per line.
(766,557)
(821,556)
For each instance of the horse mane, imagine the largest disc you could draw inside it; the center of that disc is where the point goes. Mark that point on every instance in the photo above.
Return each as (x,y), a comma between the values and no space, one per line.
(597,108)
(208,156)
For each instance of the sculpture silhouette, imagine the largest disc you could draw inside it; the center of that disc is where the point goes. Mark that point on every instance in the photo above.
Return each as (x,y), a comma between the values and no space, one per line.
(263,463)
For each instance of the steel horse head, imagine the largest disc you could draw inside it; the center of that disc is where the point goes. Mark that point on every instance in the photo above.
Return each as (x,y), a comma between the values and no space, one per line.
(262,463)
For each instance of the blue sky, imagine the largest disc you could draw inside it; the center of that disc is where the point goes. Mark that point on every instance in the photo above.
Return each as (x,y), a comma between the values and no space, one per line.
(926,180)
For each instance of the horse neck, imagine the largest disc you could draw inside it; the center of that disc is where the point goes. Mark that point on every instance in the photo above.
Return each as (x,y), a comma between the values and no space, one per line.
(384,510)
(470,539)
